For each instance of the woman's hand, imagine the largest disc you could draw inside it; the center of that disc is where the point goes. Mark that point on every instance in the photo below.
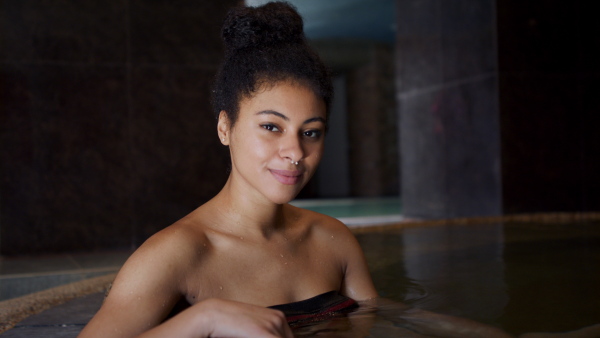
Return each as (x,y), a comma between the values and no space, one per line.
(234,319)
(224,318)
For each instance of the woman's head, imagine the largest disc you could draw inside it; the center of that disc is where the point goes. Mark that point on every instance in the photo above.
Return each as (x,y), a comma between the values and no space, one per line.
(277,142)
(265,46)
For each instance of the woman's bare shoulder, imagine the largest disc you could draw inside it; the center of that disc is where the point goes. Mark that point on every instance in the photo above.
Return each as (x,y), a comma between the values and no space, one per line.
(320,220)
(340,244)
(177,244)
(151,281)
(182,237)
(321,225)
(166,254)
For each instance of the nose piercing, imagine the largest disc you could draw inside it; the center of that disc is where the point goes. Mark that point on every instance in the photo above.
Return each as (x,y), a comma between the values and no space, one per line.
(296,163)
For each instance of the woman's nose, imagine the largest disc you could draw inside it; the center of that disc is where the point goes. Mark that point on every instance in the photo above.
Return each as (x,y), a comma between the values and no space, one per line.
(291,148)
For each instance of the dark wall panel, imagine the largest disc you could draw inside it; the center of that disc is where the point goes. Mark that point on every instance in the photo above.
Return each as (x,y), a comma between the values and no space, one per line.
(106,130)
(549,112)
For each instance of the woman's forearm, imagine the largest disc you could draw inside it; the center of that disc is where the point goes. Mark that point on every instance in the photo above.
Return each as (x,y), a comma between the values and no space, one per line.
(223,318)
(191,322)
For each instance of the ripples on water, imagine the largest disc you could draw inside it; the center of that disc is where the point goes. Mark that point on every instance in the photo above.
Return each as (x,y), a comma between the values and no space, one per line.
(366,321)
(397,320)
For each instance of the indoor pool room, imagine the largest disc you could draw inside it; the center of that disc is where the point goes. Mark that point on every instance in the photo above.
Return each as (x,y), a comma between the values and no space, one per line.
(243,145)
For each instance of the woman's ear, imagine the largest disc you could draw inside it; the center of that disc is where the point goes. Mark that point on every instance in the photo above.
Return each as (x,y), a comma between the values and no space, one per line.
(223,128)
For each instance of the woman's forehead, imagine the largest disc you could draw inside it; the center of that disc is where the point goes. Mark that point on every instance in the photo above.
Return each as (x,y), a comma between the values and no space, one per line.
(284,98)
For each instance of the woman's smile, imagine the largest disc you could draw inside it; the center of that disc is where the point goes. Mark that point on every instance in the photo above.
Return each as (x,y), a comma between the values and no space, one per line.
(289,177)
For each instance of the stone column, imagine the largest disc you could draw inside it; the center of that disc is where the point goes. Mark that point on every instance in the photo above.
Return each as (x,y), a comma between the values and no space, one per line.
(447,93)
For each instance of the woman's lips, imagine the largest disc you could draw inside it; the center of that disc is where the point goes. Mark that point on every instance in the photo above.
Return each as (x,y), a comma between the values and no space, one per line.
(287,176)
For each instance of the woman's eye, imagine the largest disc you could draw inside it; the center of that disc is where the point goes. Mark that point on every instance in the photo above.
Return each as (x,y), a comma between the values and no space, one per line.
(312,133)
(270,127)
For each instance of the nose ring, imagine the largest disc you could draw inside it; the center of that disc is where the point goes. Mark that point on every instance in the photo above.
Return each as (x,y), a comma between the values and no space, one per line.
(296,163)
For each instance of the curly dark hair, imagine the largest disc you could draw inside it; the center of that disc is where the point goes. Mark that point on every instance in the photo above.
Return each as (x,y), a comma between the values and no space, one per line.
(264,46)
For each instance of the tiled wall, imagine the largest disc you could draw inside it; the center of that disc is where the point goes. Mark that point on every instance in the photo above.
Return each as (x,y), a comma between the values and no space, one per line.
(106,130)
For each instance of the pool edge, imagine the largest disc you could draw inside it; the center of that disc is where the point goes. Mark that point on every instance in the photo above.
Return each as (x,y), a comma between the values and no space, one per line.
(12,311)
(532,217)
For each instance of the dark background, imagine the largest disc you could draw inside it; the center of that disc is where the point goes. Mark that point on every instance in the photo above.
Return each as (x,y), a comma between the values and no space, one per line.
(106,131)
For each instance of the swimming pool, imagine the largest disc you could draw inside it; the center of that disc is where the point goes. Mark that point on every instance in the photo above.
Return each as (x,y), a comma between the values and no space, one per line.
(520,276)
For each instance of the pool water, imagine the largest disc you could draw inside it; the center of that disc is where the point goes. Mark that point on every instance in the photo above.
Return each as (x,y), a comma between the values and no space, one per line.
(518,276)
(521,277)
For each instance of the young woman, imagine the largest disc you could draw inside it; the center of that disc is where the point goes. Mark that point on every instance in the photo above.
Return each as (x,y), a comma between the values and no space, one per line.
(247,249)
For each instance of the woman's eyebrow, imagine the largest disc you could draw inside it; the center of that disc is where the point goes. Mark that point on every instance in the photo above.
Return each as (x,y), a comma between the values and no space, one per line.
(272,112)
(285,118)
(316,119)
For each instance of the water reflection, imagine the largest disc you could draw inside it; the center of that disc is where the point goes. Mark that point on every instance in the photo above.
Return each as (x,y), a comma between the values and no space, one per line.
(464,264)
(385,318)
(522,277)
(452,270)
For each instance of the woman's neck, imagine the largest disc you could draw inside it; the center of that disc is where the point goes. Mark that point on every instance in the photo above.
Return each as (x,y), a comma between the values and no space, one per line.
(247,211)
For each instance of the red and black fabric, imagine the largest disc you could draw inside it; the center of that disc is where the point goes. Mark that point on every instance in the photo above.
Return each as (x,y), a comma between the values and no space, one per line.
(317,308)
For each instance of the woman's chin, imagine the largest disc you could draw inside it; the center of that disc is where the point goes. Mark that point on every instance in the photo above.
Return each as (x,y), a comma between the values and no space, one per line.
(283,198)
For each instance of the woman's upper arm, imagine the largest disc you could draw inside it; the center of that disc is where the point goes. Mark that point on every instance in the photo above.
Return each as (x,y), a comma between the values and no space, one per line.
(357,283)
(142,295)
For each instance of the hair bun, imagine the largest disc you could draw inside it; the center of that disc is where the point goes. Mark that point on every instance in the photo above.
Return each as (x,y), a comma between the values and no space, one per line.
(267,25)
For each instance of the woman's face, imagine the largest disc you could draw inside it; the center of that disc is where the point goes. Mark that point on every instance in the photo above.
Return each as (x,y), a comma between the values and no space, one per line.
(276,127)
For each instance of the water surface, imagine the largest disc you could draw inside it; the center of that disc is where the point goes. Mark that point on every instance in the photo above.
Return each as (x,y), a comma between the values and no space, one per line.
(521,277)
